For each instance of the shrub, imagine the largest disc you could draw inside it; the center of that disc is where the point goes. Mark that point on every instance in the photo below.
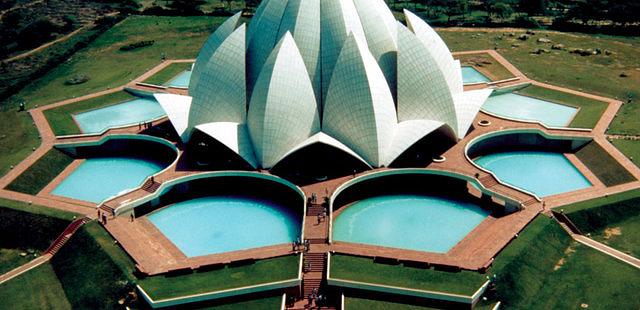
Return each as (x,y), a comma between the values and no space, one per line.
(136,45)
(77,79)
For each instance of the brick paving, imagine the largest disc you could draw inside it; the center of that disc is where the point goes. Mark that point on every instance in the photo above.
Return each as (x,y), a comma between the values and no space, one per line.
(154,253)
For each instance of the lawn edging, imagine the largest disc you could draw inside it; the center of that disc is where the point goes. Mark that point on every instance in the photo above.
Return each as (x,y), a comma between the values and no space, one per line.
(405,291)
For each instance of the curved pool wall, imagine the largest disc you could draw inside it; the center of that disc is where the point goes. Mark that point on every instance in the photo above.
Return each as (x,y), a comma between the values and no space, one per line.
(123,114)
(114,164)
(528,142)
(425,182)
(251,185)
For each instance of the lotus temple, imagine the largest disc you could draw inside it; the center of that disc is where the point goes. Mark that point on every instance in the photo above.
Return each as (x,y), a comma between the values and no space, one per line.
(321,132)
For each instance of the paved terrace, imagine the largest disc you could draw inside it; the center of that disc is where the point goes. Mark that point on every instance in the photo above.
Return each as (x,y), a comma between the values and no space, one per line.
(154,253)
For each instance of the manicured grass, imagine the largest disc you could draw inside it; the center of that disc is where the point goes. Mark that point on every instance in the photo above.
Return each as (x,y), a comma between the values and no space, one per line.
(108,67)
(605,167)
(18,138)
(262,271)
(267,303)
(545,269)
(36,289)
(613,220)
(365,270)
(355,303)
(599,74)
(590,110)
(61,119)
(488,66)
(166,74)
(36,209)
(89,276)
(41,173)
(630,148)
(11,258)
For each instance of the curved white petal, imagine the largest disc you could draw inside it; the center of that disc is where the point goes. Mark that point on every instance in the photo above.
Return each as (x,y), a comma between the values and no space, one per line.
(222,97)
(210,46)
(438,50)
(359,110)
(234,136)
(283,110)
(423,92)
(339,20)
(177,109)
(407,134)
(325,139)
(467,106)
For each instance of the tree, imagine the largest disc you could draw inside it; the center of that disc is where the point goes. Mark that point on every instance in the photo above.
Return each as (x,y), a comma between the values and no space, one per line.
(454,8)
(502,10)
(186,7)
(533,7)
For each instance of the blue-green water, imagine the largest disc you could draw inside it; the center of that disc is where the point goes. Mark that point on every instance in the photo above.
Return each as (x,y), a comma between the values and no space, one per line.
(530,109)
(215,224)
(181,80)
(126,113)
(470,76)
(542,173)
(97,179)
(414,222)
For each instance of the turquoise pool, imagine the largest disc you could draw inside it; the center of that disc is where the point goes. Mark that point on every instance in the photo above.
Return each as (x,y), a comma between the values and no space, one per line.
(414,222)
(530,109)
(471,76)
(180,80)
(127,113)
(212,225)
(97,179)
(542,173)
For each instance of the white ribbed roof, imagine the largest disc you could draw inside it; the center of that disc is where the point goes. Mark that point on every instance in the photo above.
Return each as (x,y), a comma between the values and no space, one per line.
(177,109)
(340,72)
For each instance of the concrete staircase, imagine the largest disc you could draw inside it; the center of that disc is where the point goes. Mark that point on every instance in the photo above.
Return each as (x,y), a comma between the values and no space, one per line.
(66,235)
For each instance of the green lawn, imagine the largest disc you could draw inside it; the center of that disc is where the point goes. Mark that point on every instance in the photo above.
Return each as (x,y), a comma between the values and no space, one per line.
(36,289)
(18,139)
(168,73)
(605,167)
(355,303)
(590,110)
(630,148)
(487,65)
(365,270)
(545,269)
(176,37)
(599,74)
(27,229)
(41,173)
(613,220)
(266,303)
(61,119)
(262,271)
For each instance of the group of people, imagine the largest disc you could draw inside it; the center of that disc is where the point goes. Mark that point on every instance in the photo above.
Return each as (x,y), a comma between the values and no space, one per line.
(295,246)
(314,296)
(146,125)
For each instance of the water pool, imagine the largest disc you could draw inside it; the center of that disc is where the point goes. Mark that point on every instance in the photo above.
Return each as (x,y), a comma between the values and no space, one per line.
(97,179)
(414,222)
(212,225)
(542,173)
(470,76)
(530,109)
(126,113)
(180,80)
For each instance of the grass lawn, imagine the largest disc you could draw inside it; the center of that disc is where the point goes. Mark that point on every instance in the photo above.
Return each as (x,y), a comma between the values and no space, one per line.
(27,228)
(613,220)
(18,139)
(599,74)
(41,173)
(168,73)
(545,269)
(605,167)
(488,66)
(590,110)
(365,270)
(38,288)
(262,271)
(355,303)
(61,119)
(265,303)
(630,148)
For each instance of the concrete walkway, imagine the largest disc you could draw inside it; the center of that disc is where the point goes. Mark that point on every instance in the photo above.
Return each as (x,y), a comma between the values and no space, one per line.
(623,257)
(24,268)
